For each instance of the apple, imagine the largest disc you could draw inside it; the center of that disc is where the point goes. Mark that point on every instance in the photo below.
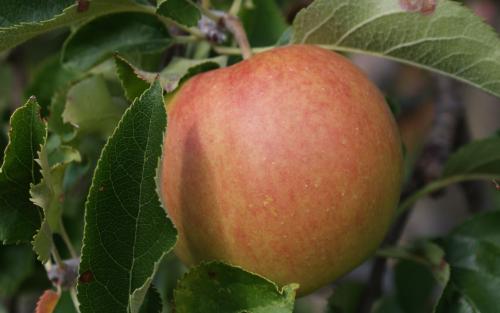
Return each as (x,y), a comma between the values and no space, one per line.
(287,164)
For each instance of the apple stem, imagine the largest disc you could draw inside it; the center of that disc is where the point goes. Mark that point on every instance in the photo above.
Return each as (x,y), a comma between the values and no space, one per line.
(57,257)
(235,7)
(66,239)
(233,24)
(205,3)
(237,51)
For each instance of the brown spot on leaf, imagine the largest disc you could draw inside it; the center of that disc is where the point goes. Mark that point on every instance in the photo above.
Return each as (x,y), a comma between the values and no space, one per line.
(86,277)
(423,6)
(101,188)
(442,264)
(496,184)
(212,275)
(83,5)
(428,7)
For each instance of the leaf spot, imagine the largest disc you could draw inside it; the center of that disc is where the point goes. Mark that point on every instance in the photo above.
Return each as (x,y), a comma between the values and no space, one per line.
(83,5)
(86,277)
(212,275)
(423,6)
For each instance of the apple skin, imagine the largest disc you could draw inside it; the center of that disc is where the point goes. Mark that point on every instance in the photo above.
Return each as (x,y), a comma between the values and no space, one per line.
(288,164)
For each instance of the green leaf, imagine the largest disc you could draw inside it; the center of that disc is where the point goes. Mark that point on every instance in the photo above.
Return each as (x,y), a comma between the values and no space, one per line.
(55,120)
(345,298)
(152,302)
(177,71)
(387,304)
(285,37)
(41,21)
(414,286)
(19,218)
(425,253)
(181,11)
(181,69)
(127,231)
(483,227)
(263,23)
(90,107)
(3,143)
(97,40)
(43,242)
(169,273)
(218,287)
(50,78)
(481,157)
(131,83)
(452,40)
(17,264)
(62,156)
(65,304)
(47,195)
(475,270)
(453,302)
(14,12)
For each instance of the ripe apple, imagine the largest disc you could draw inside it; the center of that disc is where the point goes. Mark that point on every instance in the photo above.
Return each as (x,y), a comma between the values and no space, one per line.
(287,164)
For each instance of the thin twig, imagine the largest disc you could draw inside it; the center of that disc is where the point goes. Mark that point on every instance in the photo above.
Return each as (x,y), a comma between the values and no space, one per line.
(66,239)
(74,298)
(171,23)
(235,8)
(443,133)
(237,51)
(206,4)
(57,257)
(233,24)
(205,11)
(185,39)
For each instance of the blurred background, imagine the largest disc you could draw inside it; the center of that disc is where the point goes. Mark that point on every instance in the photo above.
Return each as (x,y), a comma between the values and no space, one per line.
(435,116)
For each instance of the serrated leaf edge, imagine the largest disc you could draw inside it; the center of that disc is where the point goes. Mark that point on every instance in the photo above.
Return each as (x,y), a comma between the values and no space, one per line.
(93,186)
(286,291)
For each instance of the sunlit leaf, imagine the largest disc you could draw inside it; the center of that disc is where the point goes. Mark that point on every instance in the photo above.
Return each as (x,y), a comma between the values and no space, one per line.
(451,40)
(99,39)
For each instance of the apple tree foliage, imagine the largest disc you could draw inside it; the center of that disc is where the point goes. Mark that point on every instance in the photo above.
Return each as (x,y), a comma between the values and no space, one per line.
(80,156)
